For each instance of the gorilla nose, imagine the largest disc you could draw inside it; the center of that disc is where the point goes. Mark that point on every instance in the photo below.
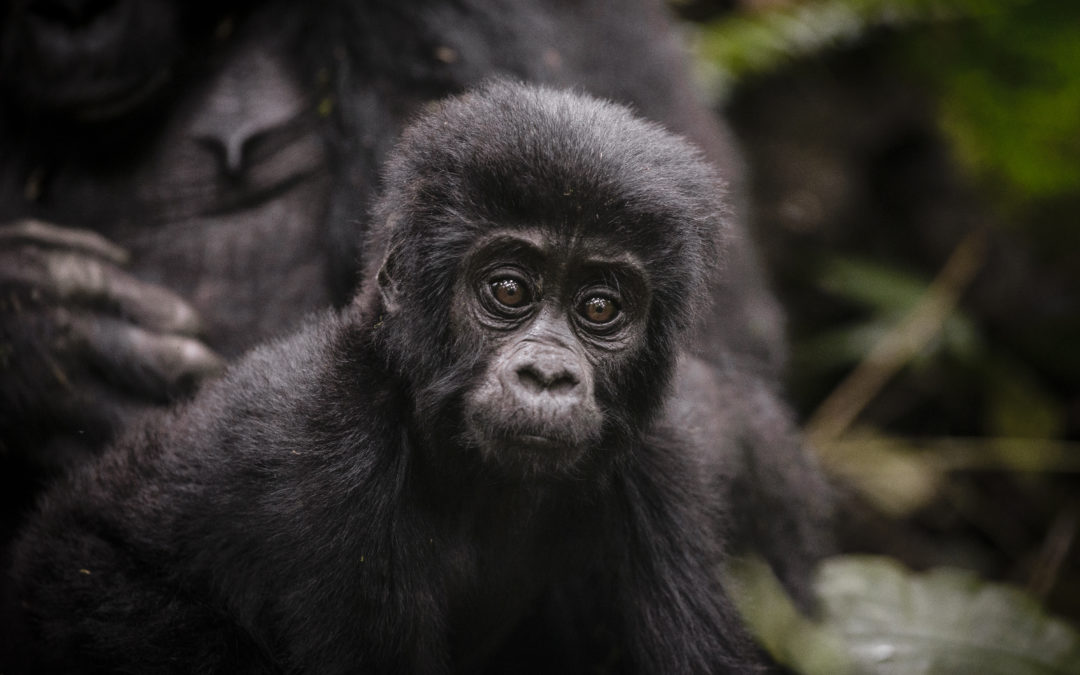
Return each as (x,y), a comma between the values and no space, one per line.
(552,376)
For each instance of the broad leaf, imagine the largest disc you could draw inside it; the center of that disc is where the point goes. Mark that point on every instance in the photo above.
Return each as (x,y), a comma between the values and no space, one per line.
(942,622)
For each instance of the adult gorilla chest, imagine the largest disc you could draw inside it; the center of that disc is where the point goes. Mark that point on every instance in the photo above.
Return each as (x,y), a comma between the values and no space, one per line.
(223,203)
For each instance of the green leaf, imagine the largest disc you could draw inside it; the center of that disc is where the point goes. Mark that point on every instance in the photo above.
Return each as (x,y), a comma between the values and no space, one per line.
(789,637)
(873,284)
(1010,96)
(746,43)
(944,621)
(837,347)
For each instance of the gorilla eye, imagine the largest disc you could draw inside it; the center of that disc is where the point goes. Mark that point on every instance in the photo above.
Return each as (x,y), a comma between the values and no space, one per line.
(510,292)
(598,309)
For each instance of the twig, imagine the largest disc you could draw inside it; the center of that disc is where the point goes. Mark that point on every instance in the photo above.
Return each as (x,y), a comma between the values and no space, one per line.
(1052,554)
(837,412)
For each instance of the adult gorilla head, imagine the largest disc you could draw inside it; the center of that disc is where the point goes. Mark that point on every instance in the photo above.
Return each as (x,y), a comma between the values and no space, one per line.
(541,254)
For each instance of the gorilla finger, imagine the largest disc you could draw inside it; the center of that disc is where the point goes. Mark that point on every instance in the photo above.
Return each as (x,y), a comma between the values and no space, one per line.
(83,280)
(37,233)
(152,364)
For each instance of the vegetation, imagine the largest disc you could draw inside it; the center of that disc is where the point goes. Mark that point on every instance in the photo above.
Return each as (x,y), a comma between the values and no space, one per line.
(916,183)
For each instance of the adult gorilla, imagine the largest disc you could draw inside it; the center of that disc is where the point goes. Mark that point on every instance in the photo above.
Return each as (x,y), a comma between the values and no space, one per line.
(181,180)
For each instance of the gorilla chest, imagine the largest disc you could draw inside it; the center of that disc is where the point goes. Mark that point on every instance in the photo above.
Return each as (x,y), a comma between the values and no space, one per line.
(498,568)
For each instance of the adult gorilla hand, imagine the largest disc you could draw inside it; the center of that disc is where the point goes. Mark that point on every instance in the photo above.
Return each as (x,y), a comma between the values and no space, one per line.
(83,344)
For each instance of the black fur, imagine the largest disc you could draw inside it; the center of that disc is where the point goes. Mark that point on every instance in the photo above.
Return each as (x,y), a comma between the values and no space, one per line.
(313,512)
(312,95)
(244,250)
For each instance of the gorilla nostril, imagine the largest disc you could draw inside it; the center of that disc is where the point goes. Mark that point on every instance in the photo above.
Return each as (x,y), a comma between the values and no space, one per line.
(530,379)
(563,384)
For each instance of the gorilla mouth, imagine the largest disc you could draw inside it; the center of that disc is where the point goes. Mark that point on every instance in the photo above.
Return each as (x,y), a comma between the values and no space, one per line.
(511,443)
(530,454)
(534,442)
(563,438)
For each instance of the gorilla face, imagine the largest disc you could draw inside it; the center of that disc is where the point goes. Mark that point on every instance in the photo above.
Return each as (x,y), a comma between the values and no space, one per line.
(542,260)
(550,316)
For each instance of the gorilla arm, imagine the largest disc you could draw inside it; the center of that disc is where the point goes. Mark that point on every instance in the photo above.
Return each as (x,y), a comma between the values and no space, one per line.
(772,497)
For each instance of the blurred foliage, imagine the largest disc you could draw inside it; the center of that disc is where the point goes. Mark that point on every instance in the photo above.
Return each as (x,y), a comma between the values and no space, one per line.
(878,618)
(941,622)
(759,41)
(887,293)
(884,133)
(1010,95)
(1005,78)
(793,640)
(1009,83)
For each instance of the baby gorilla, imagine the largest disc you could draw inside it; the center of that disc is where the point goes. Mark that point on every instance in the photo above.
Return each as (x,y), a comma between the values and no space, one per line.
(396,488)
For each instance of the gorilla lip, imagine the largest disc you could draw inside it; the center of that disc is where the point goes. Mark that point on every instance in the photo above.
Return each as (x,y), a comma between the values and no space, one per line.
(534,441)
(529,451)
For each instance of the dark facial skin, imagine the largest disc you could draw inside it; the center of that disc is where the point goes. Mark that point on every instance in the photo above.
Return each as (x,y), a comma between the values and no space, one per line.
(553,315)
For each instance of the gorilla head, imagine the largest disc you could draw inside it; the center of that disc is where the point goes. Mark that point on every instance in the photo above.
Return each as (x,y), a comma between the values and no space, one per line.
(540,258)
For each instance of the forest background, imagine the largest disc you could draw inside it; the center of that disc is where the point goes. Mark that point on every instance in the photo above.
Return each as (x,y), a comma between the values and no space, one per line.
(914,179)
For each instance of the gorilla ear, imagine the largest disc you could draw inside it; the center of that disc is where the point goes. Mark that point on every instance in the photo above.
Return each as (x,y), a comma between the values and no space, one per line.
(387,280)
